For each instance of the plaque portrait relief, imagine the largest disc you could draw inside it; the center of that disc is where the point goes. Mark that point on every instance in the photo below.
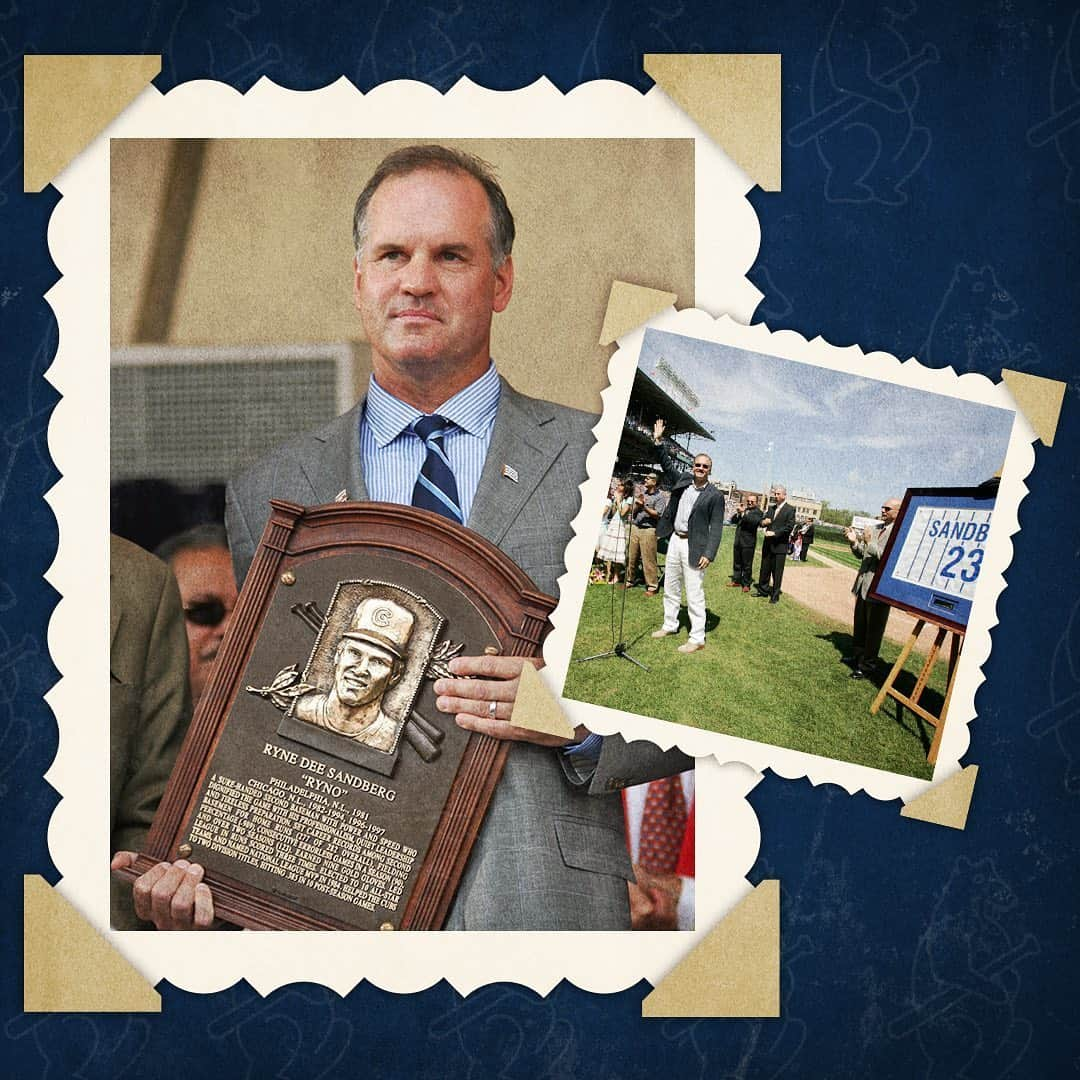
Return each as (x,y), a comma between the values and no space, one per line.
(356,695)
(369,659)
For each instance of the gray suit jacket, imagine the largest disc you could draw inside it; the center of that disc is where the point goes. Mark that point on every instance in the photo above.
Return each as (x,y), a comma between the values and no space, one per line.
(870,553)
(549,856)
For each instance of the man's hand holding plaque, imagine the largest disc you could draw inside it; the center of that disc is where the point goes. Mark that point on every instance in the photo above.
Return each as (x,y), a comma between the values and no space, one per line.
(482,698)
(172,896)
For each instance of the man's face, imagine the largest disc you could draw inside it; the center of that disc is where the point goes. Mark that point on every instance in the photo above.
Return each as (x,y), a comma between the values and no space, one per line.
(362,672)
(208,595)
(779,494)
(702,467)
(425,286)
(751,502)
(650,484)
(889,510)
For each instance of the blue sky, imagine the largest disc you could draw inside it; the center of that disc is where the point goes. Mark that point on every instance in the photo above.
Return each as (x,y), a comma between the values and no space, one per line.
(850,440)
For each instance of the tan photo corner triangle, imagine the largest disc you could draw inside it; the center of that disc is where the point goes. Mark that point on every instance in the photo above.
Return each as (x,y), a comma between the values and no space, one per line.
(68,101)
(734,98)
(68,966)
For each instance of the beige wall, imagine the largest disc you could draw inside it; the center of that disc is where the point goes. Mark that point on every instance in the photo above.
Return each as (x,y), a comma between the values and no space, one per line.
(268,256)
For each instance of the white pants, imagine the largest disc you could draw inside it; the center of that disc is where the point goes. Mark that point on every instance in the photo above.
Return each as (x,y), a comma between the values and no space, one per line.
(677,571)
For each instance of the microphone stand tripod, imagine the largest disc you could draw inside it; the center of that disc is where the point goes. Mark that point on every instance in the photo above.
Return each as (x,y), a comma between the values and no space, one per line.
(618,645)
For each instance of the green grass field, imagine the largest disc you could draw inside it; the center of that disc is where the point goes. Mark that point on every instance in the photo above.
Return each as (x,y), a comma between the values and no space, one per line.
(838,552)
(770,673)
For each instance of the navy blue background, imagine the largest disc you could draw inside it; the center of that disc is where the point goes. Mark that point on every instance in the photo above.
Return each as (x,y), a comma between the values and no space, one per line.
(879,913)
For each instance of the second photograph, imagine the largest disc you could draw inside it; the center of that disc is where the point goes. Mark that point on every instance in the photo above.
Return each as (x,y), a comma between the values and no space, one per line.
(742,581)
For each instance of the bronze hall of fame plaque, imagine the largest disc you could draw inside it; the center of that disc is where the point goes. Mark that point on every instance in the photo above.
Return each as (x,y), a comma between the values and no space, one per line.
(318,785)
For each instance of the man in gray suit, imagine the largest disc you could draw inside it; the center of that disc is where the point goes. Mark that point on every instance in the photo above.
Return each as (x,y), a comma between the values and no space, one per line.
(871,616)
(433,237)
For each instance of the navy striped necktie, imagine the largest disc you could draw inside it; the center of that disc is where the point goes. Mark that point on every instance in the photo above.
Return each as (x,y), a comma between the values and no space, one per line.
(436,488)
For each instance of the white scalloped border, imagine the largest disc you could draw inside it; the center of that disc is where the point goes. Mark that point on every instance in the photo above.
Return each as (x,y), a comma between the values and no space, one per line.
(78,442)
(788,344)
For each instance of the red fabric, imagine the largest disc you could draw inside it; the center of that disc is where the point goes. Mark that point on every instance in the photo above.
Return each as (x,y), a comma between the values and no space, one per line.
(663,826)
(685,866)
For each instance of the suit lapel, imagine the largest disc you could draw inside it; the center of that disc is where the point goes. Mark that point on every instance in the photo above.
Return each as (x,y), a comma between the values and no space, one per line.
(701,500)
(677,490)
(330,459)
(525,440)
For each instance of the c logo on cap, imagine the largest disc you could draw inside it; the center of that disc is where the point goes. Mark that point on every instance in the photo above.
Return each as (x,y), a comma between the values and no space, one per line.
(382,616)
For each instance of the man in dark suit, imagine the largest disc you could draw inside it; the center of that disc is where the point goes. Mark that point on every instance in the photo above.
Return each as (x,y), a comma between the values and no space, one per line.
(747,521)
(433,235)
(692,522)
(807,539)
(778,522)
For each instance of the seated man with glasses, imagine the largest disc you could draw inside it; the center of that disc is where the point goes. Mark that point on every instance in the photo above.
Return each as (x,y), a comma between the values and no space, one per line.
(199,558)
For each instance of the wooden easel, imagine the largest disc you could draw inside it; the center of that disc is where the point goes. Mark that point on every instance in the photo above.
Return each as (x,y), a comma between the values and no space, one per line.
(888,688)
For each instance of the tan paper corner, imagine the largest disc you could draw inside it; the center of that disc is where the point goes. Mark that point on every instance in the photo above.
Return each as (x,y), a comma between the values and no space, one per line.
(734,971)
(68,966)
(1040,401)
(946,803)
(734,98)
(629,306)
(68,101)
(537,709)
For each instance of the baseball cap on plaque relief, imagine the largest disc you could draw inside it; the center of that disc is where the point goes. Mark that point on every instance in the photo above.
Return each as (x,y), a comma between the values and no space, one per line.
(319,786)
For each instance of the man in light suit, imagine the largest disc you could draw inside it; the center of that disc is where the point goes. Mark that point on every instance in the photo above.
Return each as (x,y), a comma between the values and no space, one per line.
(433,236)
(778,522)
(871,616)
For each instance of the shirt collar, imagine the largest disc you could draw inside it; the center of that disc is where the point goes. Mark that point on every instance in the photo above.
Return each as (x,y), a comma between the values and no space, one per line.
(472,409)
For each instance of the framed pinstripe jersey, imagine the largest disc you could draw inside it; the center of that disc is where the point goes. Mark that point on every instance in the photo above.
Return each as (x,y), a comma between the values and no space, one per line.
(934,558)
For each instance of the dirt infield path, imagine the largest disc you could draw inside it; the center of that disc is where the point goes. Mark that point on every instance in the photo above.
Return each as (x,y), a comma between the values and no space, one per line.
(826,560)
(827,590)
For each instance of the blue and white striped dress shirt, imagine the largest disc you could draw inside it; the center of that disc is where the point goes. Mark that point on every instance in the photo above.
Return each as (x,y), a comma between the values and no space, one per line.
(391,456)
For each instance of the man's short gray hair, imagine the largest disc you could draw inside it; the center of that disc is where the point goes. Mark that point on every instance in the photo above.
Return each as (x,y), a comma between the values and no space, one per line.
(197,538)
(432,156)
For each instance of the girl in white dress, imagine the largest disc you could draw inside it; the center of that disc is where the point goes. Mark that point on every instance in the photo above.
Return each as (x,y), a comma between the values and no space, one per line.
(613,541)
